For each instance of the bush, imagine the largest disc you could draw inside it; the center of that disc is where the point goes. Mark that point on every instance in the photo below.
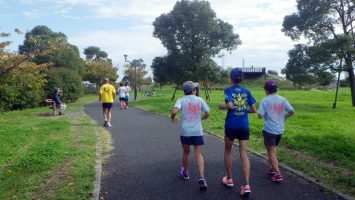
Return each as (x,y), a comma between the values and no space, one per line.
(69,81)
(22,88)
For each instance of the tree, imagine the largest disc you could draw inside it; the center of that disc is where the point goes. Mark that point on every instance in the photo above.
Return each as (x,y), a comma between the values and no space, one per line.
(96,71)
(135,73)
(93,53)
(323,20)
(298,68)
(59,51)
(192,34)
(21,81)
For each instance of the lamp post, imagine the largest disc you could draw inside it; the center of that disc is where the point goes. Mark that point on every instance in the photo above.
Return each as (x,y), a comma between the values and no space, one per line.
(135,76)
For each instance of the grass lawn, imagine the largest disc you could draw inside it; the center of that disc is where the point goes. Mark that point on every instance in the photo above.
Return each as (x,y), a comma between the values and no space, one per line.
(318,140)
(47,157)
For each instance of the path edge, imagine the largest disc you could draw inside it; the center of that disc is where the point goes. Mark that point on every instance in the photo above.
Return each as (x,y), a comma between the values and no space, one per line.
(290,169)
(98,169)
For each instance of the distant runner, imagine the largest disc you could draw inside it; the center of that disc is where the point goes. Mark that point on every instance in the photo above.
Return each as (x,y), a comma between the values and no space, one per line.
(122,91)
(127,94)
(107,96)
(272,109)
(239,102)
(191,132)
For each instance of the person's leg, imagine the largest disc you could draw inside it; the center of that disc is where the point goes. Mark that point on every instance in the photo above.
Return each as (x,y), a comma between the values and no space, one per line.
(199,160)
(63,107)
(104,113)
(271,152)
(245,160)
(185,157)
(109,115)
(228,156)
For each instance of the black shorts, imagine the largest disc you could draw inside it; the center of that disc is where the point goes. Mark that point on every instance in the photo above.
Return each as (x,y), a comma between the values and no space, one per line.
(192,140)
(121,98)
(107,105)
(240,134)
(271,140)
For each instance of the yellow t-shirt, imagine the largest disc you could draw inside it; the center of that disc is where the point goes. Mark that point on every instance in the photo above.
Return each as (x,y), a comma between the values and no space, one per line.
(107,93)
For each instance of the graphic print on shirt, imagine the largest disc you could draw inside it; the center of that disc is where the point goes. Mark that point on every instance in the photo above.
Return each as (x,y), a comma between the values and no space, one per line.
(191,112)
(106,89)
(240,101)
(276,111)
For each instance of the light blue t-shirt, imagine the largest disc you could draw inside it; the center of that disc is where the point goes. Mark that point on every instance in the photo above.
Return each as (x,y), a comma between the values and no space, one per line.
(191,107)
(273,108)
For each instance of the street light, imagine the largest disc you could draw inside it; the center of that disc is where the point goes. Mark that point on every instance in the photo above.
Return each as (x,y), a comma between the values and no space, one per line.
(135,76)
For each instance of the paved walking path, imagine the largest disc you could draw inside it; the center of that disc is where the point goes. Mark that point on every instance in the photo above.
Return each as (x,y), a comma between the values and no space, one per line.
(147,154)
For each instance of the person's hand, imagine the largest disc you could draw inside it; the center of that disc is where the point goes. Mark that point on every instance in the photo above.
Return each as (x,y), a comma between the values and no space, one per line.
(222,106)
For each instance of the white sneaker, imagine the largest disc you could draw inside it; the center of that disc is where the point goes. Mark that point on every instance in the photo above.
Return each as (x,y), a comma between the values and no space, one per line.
(109,124)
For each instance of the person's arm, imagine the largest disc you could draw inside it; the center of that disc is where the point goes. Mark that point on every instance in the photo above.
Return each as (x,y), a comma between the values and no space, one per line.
(289,114)
(227,106)
(289,109)
(206,115)
(261,111)
(173,115)
(252,109)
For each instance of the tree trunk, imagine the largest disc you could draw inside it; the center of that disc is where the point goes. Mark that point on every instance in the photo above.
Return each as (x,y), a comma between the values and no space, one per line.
(352,85)
(350,70)
(173,97)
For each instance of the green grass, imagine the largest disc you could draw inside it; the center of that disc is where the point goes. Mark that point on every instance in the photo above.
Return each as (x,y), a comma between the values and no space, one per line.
(318,140)
(46,157)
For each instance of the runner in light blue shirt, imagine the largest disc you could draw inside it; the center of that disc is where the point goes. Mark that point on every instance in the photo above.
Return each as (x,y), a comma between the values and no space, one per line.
(275,110)
(191,132)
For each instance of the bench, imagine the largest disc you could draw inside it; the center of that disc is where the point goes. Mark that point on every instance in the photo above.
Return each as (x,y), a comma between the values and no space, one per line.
(51,105)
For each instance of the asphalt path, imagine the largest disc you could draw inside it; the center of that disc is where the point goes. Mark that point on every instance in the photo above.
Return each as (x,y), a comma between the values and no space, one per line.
(146,159)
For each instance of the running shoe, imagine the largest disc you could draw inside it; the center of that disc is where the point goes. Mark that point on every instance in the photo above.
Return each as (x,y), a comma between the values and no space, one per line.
(109,124)
(184,174)
(227,182)
(203,184)
(245,190)
(276,178)
(272,171)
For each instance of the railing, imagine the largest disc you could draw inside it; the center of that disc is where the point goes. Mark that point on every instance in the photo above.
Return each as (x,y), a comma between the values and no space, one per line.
(253,70)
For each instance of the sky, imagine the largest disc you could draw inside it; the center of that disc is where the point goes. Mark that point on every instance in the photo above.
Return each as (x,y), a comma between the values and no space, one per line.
(125,27)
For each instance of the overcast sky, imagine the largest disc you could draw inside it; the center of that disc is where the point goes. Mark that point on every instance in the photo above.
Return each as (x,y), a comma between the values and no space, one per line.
(125,27)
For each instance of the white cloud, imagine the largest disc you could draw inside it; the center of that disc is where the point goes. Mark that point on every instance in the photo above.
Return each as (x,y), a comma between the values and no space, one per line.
(33,14)
(136,42)
(258,22)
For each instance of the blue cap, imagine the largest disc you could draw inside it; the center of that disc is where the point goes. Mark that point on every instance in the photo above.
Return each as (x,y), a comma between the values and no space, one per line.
(236,75)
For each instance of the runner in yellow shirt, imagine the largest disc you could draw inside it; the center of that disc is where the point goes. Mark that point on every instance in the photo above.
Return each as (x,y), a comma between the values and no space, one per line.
(107,96)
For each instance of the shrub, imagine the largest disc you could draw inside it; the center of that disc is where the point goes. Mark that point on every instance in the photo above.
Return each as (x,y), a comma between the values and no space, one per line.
(68,80)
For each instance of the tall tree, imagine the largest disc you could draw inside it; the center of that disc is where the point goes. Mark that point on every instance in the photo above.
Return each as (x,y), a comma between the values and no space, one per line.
(192,34)
(96,71)
(96,54)
(321,20)
(297,68)
(59,51)
(135,73)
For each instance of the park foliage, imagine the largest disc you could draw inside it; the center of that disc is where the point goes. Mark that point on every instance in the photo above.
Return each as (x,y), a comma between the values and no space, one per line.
(45,61)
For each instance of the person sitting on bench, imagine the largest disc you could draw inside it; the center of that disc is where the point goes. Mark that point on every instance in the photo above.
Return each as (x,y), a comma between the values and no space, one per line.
(56,98)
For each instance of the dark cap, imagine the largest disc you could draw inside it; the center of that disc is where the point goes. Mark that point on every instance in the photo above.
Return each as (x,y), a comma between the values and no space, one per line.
(188,86)
(270,85)
(236,75)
